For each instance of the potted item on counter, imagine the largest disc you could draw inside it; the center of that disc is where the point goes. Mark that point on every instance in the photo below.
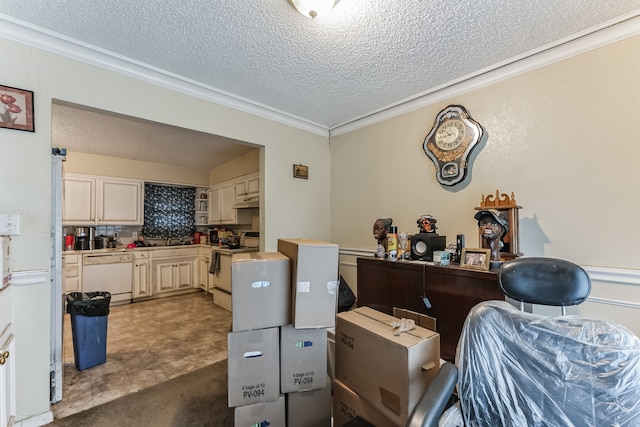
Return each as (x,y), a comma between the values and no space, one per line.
(233,241)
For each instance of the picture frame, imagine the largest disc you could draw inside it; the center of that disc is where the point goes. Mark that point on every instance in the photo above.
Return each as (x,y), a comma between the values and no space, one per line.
(475,258)
(16,109)
(301,171)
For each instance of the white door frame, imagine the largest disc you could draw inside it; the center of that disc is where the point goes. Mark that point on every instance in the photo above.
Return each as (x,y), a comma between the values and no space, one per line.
(57,303)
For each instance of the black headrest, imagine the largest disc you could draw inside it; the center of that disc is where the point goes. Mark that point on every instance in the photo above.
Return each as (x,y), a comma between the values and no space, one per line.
(547,281)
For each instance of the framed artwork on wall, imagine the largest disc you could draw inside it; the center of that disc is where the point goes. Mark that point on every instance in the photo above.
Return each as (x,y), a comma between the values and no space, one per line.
(16,109)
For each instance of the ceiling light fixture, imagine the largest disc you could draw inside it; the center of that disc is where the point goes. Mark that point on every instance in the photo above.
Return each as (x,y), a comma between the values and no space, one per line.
(313,8)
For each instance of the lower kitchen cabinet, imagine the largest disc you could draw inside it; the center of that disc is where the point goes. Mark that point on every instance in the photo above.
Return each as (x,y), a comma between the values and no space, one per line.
(173,275)
(142,276)
(7,377)
(72,273)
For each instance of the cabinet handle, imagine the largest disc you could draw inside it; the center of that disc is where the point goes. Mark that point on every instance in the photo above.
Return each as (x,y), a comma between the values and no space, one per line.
(3,357)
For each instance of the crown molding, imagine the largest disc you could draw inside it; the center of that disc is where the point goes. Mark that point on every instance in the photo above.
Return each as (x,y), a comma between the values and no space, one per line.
(593,38)
(49,41)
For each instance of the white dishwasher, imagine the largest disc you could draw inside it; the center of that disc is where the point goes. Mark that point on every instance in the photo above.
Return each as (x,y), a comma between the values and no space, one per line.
(108,272)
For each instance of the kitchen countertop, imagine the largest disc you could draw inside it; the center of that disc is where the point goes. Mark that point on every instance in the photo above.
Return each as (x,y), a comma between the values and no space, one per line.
(224,249)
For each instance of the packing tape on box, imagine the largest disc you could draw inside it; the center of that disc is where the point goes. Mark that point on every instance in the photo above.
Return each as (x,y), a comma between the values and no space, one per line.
(332,287)
(404,325)
(303,287)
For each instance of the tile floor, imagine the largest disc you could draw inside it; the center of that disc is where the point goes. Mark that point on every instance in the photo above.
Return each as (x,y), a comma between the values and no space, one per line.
(147,343)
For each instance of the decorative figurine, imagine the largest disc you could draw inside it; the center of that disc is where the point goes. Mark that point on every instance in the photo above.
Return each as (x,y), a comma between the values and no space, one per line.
(493,226)
(380,229)
(427,224)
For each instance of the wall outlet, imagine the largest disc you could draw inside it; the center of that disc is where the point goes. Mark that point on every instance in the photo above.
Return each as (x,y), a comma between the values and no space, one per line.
(9,225)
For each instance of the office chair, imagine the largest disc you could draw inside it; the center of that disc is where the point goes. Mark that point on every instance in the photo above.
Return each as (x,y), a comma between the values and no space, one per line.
(523,369)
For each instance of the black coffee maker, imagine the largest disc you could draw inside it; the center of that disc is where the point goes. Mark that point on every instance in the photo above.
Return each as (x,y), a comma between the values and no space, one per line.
(213,236)
(84,238)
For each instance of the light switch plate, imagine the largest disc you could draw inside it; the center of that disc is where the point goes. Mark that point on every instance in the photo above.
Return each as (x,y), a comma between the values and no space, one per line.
(9,225)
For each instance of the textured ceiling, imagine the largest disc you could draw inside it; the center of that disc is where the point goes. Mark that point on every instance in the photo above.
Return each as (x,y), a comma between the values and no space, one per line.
(363,58)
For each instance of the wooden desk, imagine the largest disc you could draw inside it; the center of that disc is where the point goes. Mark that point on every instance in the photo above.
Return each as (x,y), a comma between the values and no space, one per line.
(451,292)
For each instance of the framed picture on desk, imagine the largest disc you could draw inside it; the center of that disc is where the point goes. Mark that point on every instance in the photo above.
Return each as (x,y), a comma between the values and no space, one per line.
(475,258)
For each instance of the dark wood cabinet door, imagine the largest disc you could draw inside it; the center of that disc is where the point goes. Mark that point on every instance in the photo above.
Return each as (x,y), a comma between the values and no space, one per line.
(452,292)
(383,285)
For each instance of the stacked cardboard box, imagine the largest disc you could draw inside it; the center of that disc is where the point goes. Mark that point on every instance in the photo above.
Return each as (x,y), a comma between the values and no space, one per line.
(260,305)
(282,304)
(381,371)
(314,299)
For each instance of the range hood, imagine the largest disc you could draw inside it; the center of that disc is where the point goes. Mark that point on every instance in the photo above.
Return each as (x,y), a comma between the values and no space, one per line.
(249,202)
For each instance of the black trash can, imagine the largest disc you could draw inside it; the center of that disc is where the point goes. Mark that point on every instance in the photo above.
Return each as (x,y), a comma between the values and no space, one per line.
(89,313)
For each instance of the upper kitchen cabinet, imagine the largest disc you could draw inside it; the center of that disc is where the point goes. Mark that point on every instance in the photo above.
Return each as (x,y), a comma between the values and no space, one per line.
(248,191)
(222,199)
(100,200)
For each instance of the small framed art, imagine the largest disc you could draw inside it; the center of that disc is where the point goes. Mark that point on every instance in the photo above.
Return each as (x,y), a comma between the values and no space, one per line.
(301,171)
(475,258)
(16,109)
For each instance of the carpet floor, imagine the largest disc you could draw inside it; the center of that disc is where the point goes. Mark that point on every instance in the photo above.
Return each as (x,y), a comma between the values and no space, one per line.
(198,399)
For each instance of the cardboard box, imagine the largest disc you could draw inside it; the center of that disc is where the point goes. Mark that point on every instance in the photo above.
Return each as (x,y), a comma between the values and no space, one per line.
(253,366)
(331,353)
(390,371)
(421,320)
(310,408)
(261,414)
(303,359)
(347,405)
(314,281)
(261,290)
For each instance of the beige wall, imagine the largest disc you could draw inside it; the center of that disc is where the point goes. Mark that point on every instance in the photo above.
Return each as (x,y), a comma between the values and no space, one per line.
(292,207)
(242,165)
(563,138)
(134,169)
(235,168)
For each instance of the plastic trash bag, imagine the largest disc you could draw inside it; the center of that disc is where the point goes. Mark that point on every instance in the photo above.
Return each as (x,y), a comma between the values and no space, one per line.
(88,303)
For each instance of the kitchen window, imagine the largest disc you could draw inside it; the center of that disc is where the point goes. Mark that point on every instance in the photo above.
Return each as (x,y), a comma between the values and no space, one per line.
(169,211)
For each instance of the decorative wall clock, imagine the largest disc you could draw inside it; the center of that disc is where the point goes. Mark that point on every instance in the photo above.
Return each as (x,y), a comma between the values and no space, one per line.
(449,143)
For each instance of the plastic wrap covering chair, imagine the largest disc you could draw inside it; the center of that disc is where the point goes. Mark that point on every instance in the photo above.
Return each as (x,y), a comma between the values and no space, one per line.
(523,369)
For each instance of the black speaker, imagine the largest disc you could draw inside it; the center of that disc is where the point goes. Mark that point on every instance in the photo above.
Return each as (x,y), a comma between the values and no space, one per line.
(459,247)
(423,245)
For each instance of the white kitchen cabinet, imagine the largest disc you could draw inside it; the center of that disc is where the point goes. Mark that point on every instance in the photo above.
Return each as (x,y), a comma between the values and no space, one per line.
(98,200)
(78,199)
(7,377)
(222,199)
(142,276)
(248,190)
(173,275)
(120,202)
(72,273)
